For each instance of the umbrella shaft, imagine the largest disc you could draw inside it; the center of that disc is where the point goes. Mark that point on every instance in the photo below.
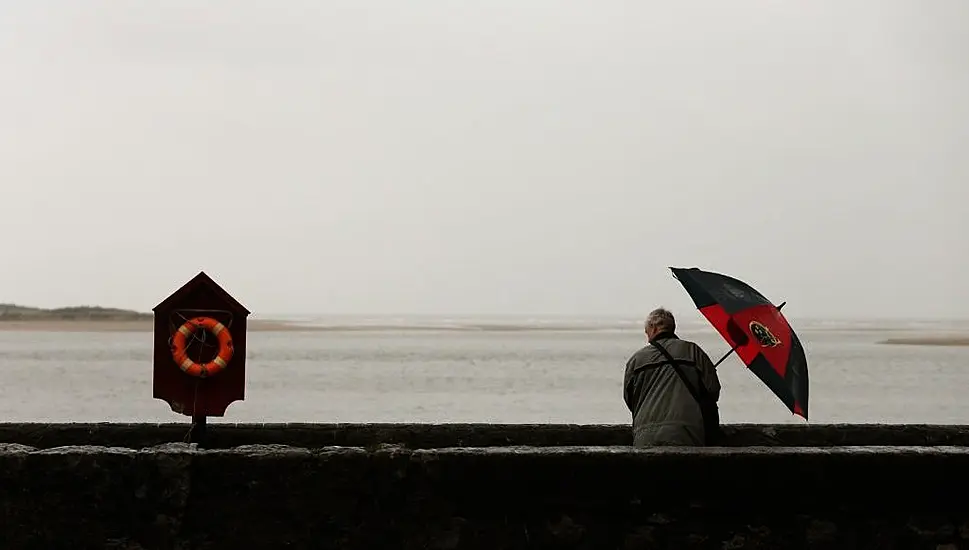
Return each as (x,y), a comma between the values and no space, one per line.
(717,364)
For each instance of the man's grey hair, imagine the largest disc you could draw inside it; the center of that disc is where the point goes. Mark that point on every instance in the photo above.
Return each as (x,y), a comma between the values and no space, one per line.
(660,319)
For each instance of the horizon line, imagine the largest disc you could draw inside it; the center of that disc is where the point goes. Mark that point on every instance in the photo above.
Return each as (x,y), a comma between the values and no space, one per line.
(279,315)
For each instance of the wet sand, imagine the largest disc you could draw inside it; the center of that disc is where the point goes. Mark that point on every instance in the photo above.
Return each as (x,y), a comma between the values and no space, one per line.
(929,340)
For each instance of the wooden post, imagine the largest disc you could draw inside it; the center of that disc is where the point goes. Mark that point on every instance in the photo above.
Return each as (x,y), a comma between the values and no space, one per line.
(198,430)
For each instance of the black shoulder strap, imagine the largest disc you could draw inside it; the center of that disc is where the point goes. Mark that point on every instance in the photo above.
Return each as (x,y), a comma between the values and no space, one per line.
(675,364)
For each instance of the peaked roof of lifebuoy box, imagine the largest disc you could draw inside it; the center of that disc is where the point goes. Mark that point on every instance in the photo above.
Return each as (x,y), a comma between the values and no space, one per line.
(201,280)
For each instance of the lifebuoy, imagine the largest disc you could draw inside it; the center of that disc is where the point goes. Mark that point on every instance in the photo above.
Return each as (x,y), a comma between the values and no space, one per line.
(180,343)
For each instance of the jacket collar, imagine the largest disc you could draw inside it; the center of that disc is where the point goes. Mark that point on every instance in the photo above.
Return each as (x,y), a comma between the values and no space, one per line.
(664,336)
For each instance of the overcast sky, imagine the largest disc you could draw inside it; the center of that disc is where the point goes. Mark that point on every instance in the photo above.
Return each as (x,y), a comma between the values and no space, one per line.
(492,156)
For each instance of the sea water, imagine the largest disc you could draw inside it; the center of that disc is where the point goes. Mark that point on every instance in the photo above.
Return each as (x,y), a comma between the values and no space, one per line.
(478,370)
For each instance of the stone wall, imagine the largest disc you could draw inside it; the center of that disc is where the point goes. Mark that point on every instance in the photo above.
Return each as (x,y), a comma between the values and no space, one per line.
(431,436)
(178,496)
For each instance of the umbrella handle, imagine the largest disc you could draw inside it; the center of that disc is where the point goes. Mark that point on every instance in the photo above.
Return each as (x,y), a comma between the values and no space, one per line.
(717,364)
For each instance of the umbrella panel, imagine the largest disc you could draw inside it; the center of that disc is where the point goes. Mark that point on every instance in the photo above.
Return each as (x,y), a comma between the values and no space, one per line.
(765,342)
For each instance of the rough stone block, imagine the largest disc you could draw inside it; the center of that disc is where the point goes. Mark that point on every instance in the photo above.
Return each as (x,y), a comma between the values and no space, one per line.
(275,496)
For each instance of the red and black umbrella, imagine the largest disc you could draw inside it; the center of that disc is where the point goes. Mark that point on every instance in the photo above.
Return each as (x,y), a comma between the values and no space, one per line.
(755,328)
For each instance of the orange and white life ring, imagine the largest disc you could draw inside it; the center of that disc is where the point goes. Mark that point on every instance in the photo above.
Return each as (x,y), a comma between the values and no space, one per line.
(180,343)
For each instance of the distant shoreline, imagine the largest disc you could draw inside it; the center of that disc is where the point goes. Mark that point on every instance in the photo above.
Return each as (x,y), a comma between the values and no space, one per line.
(108,325)
(17,313)
(268,325)
(14,317)
(271,325)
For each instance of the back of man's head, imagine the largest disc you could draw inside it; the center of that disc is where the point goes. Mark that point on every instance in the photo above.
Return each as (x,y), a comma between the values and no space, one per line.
(659,320)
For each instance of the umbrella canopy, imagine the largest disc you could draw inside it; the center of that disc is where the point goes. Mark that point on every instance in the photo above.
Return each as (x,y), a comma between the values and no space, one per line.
(755,328)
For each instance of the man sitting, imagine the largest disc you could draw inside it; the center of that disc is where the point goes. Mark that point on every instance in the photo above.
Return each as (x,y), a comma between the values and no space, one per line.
(664,410)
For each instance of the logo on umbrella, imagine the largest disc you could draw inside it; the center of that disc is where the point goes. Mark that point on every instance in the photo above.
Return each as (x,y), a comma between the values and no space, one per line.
(763,335)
